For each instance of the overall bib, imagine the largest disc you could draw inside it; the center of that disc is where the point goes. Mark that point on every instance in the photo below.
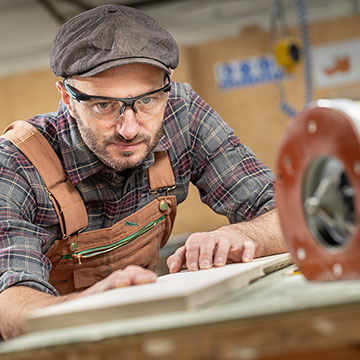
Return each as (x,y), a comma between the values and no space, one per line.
(80,259)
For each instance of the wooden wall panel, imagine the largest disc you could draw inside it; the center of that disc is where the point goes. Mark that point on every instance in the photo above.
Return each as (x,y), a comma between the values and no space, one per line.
(24,95)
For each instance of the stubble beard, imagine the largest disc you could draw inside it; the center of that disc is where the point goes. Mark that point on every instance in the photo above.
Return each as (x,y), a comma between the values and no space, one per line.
(124,161)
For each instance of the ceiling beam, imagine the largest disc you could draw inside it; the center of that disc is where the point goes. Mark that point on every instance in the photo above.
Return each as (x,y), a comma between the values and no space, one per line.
(50,8)
(54,12)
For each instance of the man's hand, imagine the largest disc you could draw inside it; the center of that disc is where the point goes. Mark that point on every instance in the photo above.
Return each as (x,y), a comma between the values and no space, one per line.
(203,250)
(131,275)
(232,243)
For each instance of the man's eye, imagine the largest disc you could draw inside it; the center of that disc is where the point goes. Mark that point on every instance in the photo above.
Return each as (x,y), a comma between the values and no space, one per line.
(103,105)
(148,100)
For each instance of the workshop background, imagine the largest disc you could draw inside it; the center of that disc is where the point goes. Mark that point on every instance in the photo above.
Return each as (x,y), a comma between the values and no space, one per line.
(227,54)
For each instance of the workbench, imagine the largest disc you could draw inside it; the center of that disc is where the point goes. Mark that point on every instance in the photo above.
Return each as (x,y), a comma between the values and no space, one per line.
(279,316)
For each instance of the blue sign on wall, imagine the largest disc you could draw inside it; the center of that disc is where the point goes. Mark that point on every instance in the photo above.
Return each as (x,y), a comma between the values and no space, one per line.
(248,72)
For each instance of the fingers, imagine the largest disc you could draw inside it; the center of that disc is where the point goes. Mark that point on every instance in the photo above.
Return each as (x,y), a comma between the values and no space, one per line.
(243,251)
(131,275)
(207,249)
(196,254)
(203,250)
(192,247)
(248,251)
(176,261)
(215,248)
(222,252)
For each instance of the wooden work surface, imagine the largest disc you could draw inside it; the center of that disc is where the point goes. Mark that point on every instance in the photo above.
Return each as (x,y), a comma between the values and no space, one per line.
(280,316)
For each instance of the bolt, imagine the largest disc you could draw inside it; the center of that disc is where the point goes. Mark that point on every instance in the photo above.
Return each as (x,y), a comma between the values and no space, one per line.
(337,269)
(301,253)
(288,163)
(312,127)
(357,167)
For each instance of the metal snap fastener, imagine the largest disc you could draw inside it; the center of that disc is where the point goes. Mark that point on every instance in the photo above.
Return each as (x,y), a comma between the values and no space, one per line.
(73,246)
(163,205)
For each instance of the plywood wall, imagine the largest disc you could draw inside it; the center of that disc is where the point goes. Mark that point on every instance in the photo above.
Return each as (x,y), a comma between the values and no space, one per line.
(24,95)
(252,112)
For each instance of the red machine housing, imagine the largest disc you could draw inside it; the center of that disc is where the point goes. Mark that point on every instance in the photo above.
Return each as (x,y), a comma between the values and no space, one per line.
(320,132)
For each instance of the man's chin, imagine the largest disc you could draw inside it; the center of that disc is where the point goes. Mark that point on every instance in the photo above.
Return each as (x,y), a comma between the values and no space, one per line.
(128,160)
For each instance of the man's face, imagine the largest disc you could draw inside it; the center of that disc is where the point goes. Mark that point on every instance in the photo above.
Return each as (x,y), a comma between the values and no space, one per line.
(122,143)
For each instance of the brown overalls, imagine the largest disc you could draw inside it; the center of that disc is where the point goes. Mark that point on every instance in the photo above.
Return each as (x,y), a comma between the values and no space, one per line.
(81,258)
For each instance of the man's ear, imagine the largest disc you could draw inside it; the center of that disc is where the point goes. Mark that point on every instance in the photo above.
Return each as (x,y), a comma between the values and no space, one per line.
(65,97)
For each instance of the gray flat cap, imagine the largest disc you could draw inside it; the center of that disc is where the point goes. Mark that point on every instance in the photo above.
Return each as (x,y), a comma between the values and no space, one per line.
(108,36)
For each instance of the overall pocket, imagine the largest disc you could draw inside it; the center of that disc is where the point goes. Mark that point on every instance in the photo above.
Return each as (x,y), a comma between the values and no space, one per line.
(89,253)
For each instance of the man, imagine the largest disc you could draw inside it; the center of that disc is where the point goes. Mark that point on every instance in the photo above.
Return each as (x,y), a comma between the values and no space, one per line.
(88,194)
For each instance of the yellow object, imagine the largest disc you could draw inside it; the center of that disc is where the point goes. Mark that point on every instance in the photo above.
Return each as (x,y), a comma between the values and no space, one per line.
(288,53)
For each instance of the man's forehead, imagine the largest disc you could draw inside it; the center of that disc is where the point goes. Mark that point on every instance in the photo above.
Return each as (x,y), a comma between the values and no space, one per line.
(120,82)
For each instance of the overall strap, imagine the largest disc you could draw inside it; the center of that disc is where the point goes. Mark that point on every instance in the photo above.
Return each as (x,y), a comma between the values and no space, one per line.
(160,173)
(67,201)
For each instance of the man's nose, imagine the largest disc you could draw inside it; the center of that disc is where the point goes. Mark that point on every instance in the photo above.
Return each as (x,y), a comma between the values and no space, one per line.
(127,126)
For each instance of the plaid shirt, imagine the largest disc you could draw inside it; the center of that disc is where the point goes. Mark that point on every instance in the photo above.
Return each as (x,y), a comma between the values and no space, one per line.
(202,150)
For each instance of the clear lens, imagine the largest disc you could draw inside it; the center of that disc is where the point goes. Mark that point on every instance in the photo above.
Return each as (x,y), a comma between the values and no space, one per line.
(103,108)
(111,110)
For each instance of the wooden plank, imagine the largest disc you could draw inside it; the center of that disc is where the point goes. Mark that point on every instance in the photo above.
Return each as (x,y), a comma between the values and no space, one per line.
(173,292)
(279,316)
(332,330)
